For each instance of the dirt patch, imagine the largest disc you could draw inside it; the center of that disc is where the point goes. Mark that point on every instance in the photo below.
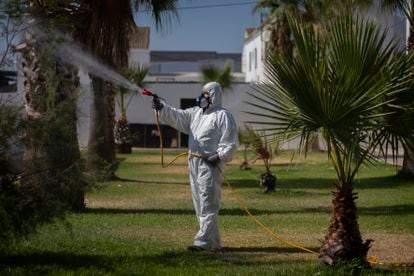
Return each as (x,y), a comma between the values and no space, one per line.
(392,248)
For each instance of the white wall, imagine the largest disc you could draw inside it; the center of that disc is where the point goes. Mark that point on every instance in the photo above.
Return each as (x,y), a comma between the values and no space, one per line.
(253,57)
(172,67)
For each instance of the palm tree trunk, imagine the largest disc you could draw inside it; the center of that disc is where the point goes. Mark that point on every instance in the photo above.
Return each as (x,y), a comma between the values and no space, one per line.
(122,133)
(407,169)
(34,90)
(281,41)
(101,143)
(343,241)
(71,157)
(105,33)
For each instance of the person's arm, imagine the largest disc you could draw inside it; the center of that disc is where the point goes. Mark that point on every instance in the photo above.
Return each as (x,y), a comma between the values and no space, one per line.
(228,142)
(176,118)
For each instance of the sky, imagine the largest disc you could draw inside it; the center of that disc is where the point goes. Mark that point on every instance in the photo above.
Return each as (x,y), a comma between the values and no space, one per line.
(204,25)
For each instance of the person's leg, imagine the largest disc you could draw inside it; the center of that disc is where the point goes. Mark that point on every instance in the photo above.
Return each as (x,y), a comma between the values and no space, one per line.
(195,191)
(209,180)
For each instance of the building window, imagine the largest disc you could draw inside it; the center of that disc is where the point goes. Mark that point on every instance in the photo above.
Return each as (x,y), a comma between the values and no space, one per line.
(250,61)
(255,58)
(8,81)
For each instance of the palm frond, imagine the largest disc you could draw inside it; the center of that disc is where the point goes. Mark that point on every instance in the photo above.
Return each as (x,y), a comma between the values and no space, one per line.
(164,12)
(213,73)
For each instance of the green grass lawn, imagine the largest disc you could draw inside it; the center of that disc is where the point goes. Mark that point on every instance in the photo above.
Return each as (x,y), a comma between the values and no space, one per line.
(141,224)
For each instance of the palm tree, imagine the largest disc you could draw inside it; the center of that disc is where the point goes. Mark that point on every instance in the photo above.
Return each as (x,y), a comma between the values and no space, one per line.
(276,23)
(341,88)
(136,75)
(105,32)
(212,73)
(263,150)
(313,13)
(406,8)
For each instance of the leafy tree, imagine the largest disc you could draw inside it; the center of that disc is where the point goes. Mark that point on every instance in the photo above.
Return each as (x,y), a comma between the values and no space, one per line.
(341,87)
(312,13)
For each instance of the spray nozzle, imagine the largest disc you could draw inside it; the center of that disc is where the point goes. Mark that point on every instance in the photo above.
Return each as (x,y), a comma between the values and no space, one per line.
(147,92)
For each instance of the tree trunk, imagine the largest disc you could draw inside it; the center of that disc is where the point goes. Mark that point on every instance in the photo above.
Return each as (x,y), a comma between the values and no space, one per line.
(408,162)
(101,153)
(407,170)
(34,83)
(280,36)
(315,145)
(71,157)
(343,241)
(105,33)
(122,135)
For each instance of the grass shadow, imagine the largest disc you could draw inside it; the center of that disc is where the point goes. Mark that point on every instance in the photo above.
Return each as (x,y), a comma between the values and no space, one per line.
(392,210)
(121,179)
(178,212)
(50,263)
(404,209)
(326,183)
(61,259)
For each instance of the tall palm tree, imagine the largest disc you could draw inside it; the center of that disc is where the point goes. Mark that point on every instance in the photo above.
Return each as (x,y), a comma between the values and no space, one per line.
(276,23)
(406,7)
(312,12)
(105,32)
(213,73)
(339,87)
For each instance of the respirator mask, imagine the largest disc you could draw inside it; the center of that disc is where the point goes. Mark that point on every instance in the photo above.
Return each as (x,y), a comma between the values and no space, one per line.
(203,101)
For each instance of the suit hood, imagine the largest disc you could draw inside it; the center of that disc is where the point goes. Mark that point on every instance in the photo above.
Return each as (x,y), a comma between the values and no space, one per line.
(214,90)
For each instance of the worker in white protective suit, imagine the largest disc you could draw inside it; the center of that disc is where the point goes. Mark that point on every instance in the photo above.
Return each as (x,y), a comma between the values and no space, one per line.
(212,134)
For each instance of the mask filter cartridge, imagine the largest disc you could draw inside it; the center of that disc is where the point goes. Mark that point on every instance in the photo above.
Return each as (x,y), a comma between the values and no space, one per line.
(203,101)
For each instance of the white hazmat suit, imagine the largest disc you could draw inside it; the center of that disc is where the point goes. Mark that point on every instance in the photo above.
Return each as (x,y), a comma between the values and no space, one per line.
(211,130)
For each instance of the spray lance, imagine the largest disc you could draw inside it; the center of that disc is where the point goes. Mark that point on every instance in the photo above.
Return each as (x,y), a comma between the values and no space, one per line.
(148,92)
